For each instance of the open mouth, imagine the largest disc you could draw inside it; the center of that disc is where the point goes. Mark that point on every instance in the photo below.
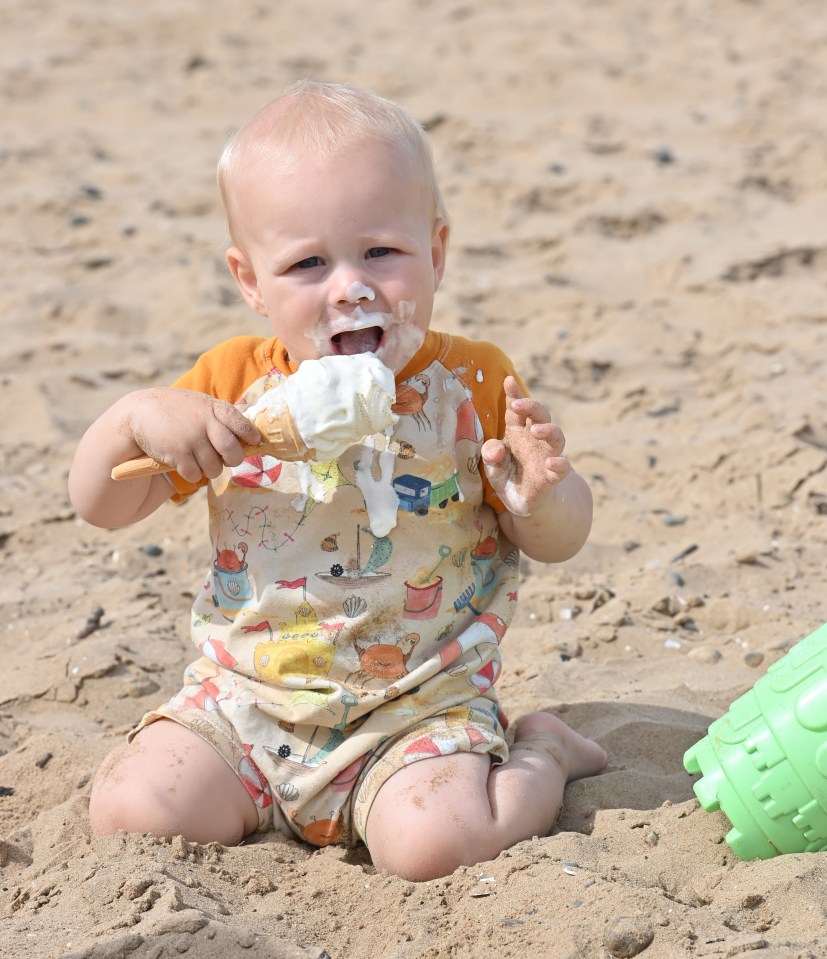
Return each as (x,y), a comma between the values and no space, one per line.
(349,342)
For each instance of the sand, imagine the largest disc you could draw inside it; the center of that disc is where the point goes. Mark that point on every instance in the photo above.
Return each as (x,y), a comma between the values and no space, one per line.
(639,201)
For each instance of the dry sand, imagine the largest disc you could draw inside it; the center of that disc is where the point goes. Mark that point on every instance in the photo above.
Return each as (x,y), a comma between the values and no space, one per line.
(639,199)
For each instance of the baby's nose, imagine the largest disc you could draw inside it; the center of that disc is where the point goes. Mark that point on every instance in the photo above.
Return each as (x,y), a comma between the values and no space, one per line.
(358,291)
(352,290)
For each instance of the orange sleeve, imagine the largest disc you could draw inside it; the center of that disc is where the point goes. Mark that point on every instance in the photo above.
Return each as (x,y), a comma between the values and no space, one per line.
(224,372)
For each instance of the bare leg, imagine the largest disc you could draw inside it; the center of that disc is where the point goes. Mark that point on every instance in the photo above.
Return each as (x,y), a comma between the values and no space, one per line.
(169,781)
(438,814)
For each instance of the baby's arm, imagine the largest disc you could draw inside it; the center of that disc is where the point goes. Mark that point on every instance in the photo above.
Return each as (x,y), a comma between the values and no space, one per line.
(548,506)
(191,432)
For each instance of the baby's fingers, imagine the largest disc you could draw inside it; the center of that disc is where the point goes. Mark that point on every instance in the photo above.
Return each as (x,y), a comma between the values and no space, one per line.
(557,468)
(238,424)
(550,433)
(497,462)
(223,449)
(527,408)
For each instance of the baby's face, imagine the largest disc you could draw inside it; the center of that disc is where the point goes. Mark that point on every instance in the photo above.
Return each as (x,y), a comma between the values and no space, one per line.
(342,254)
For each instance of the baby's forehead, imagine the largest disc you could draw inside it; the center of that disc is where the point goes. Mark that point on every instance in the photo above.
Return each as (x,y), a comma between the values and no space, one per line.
(266,163)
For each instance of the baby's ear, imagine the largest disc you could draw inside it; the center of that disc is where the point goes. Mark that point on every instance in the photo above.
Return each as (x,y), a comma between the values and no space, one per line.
(439,248)
(245,276)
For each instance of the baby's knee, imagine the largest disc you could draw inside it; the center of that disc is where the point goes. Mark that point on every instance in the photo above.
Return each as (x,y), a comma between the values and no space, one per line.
(121,798)
(420,857)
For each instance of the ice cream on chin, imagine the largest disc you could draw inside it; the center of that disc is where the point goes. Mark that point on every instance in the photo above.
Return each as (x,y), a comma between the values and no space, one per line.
(331,403)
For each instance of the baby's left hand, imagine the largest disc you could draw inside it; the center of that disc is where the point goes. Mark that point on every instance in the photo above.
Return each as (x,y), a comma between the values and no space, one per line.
(527,461)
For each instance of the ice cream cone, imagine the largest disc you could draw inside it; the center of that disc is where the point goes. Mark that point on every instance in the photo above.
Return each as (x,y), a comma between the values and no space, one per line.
(280,439)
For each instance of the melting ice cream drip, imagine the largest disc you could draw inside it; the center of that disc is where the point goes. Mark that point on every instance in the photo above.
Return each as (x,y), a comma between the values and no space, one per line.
(381,499)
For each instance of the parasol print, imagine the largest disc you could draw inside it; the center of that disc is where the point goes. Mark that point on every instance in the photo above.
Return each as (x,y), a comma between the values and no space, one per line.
(428,747)
(254,780)
(256,472)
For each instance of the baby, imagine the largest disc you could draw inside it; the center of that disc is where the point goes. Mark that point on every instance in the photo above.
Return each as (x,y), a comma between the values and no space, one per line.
(348,629)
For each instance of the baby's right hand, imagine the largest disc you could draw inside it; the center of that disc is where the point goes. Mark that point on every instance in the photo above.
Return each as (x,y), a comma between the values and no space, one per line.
(193,433)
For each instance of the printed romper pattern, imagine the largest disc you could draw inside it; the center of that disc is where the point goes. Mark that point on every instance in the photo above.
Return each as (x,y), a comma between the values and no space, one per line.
(330,655)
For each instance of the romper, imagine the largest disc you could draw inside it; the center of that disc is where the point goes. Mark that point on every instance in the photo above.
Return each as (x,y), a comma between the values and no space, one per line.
(330,654)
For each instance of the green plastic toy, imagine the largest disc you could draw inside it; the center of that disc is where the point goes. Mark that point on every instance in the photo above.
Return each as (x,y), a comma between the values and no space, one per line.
(764,763)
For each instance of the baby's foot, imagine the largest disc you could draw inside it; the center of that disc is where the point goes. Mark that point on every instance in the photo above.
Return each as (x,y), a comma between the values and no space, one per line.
(577,756)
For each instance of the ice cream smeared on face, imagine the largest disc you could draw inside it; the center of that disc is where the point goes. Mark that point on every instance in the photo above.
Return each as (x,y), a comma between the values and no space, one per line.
(358,291)
(393,337)
(333,402)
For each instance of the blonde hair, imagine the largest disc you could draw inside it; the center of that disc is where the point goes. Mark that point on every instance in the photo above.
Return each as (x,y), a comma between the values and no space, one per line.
(324,118)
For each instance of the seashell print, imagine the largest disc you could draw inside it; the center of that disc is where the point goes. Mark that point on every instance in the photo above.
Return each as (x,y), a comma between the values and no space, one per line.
(459,557)
(329,544)
(406,450)
(354,605)
(287,792)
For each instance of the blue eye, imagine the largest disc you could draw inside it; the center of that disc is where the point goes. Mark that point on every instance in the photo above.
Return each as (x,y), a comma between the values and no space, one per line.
(309,263)
(377,251)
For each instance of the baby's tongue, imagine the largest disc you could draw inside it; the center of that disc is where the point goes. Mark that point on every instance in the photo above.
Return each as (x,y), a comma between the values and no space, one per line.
(350,342)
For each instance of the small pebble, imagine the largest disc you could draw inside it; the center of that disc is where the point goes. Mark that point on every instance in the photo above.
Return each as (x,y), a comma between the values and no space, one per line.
(570,612)
(663,156)
(42,760)
(568,649)
(628,937)
(705,654)
(667,605)
(150,549)
(93,622)
(753,658)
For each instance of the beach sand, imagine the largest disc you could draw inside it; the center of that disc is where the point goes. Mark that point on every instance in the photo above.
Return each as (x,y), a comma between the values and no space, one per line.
(638,194)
